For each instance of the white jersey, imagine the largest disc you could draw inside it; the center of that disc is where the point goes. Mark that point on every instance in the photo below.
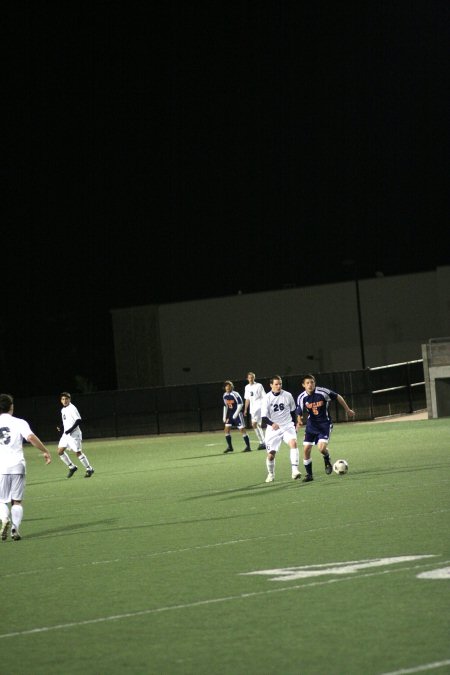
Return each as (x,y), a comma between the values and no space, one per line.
(13,431)
(255,394)
(69,416)
(278,408)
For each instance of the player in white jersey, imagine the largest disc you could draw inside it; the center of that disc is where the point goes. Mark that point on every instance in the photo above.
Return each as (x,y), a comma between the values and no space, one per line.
(72,437)
(253,396)
(13,431)
(278,412)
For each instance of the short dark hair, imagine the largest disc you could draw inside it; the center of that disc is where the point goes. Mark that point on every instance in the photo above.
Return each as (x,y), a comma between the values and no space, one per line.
(276,377)
(308,376)
(65,393)
(6,401)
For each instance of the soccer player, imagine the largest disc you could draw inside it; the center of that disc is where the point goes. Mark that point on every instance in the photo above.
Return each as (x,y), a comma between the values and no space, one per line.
(72,437)
(13,431)
(253,396)
(233,417)
(315,400)
(278,412)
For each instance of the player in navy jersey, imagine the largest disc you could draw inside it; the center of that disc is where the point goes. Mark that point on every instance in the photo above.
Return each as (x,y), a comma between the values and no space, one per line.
(233,417)
(315,401)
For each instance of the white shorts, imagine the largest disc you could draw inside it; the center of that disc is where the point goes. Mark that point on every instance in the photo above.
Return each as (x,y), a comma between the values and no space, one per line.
(273,438)
(71,441)
(256,416)
(12,486)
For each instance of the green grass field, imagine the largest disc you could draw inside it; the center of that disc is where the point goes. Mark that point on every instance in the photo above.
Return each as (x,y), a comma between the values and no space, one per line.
(177,559)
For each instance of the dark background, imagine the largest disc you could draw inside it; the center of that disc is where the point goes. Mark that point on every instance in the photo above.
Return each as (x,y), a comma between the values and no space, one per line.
(166,151)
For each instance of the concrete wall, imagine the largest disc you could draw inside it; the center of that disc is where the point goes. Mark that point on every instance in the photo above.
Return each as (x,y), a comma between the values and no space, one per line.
(436,367)
(314,328)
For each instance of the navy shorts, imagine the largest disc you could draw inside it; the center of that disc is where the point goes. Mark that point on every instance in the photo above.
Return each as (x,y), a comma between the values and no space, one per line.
(317,432)
(237,423)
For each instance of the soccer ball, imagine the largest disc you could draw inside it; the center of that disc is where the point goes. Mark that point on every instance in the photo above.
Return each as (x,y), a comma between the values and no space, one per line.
(340,467)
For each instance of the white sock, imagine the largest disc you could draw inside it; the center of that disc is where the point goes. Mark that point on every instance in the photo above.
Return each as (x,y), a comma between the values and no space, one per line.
(270,465)
(85,462)
(65,458)
(16,515)
(294,457)
(260,434)
(4,512)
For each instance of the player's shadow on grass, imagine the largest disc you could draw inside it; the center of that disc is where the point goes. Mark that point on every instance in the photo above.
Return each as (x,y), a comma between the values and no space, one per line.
(256,489)
(45,482)
(204,456)
(70,529)
(383,471)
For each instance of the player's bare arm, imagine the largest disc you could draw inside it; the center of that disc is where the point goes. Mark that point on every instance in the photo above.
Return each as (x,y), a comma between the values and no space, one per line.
(34,440)
(347,409)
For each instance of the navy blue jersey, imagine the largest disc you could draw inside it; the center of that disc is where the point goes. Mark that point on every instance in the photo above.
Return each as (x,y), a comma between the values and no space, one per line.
(316,404)
(231,401)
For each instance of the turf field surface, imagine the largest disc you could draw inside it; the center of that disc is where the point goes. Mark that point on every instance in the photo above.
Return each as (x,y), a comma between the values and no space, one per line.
(176,558)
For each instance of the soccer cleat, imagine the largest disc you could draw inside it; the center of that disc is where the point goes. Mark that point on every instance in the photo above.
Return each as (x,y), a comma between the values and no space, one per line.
(247,450)
(270,478)
(227,450)
(328,469)
(72,471)
(295,474)
(88,473)
(262,446)
(308,478)
(15,534)
(4,530)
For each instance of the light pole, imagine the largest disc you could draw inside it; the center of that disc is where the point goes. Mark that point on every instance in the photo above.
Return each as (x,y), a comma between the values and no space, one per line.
(352,264)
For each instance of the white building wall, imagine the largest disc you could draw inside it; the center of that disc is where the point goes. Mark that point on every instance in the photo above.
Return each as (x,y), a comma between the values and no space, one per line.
(291,331)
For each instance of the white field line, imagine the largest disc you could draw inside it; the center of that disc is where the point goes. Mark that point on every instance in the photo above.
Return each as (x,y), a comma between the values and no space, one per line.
(199,603)
(420,669)
(231,542)
(157,554)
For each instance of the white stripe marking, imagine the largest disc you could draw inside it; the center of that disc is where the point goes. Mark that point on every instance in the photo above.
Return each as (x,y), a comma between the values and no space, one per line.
(443,573)
(293,573)
(420,669)
(199,603)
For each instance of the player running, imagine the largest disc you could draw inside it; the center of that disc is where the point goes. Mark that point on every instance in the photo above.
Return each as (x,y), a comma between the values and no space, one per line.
(72,437)
(278,412)
(315,400)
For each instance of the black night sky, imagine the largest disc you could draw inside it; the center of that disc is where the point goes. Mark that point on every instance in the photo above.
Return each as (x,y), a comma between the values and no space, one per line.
(166,151)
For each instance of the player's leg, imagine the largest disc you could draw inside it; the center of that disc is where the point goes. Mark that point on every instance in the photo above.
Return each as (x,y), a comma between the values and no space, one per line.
(243,430)
(307,461)
(75,444)
(324,439)
(17,492)
(260,434)
(273,441)
(64,457)
(294,457)
(5,498)
(85,462)
(227,431)
(257,427)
